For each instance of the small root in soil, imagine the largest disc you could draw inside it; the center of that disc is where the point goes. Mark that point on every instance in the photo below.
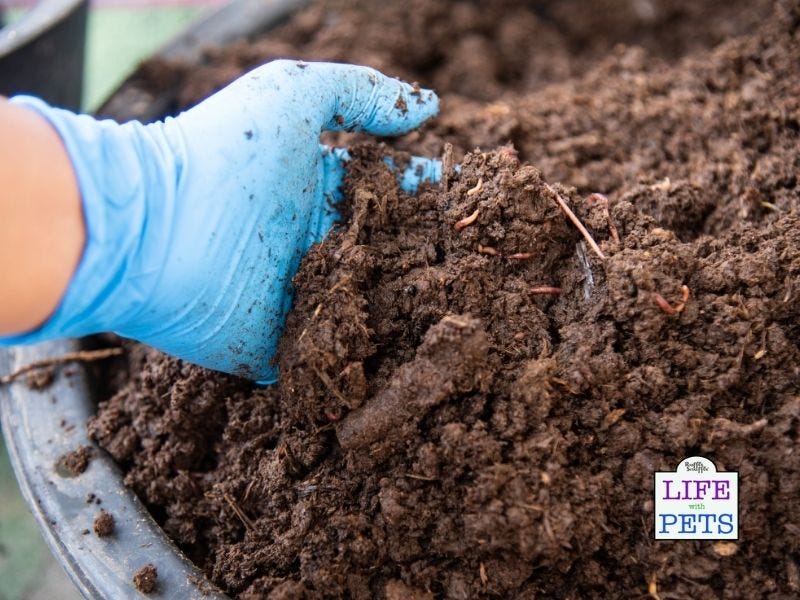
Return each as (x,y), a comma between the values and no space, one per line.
(576,221)
(246,521)
(80,356)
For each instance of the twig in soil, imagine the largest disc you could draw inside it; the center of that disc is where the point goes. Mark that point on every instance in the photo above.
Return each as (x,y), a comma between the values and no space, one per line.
(576,221)
(548,529)
(80,356)
(293,466)
(447,165)
(602,201)
(545,289)
(420,477)
(343,281)
(667,307)
(249,489)
(248,524)
(478,187)
(323,377)
(467,221)
(565,385)
(533,507)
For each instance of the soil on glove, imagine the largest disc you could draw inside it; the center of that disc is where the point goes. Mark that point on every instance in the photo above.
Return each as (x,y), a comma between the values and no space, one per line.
(472,403)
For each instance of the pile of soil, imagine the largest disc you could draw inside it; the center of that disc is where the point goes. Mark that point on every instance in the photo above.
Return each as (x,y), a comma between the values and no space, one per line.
(478,49)
(477,411)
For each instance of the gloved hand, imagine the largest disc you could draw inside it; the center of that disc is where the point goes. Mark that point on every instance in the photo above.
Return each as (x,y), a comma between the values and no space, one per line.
(196,225)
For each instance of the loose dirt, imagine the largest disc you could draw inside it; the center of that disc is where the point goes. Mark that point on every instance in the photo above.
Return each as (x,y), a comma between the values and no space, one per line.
(76,462)
(145,579)
(103,524)
(478,411)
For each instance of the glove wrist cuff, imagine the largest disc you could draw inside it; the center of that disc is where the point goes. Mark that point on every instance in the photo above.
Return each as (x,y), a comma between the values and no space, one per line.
(113,181)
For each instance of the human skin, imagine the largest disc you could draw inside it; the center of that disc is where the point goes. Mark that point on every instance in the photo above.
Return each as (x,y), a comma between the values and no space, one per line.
(42,230)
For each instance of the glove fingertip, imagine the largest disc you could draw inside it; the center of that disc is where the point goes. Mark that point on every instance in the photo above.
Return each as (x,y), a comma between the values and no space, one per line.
(368,101)
(416,105)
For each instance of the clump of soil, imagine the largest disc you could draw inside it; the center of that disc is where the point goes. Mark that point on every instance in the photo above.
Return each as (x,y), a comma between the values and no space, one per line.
(442,428)
(77,461)
(103,524)
(41,379)
(145,579)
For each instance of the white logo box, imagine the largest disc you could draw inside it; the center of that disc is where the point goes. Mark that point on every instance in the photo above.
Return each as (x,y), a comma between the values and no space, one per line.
(695,502)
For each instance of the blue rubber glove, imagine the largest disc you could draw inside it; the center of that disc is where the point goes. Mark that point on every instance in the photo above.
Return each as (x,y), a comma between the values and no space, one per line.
(196,226)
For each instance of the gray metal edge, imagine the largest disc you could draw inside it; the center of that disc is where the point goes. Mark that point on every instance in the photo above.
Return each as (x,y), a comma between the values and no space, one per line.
(39,428)
(33,23)
(235,20)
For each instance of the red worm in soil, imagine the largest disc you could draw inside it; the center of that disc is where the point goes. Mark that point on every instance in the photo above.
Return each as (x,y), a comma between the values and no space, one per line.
(545,289)
(467,221)
(667,307)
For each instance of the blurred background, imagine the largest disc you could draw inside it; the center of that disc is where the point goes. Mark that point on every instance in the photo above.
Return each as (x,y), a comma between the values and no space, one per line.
(118,34)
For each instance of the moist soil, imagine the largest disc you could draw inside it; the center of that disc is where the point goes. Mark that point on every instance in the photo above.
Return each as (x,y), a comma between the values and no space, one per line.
(478,411)
(103,524)
(76,462)
(145,579)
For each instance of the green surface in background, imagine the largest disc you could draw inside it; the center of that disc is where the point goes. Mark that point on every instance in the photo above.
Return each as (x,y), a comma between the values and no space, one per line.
(117,39)
(21,547)
(12,15)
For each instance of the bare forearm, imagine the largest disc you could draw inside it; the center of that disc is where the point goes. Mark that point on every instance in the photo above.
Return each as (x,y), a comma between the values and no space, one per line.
(41,222)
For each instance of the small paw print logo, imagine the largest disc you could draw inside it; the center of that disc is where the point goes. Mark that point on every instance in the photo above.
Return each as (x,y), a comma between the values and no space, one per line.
(696,502)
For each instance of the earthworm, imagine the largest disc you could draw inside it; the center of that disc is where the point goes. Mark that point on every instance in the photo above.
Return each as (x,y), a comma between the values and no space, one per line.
(545,289)
(467,221)
(478,187)
(667,307)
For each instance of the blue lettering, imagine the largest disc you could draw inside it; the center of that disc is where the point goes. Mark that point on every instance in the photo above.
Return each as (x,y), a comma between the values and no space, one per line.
(664,517)
(726,520)
(687,521)
(706,517)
